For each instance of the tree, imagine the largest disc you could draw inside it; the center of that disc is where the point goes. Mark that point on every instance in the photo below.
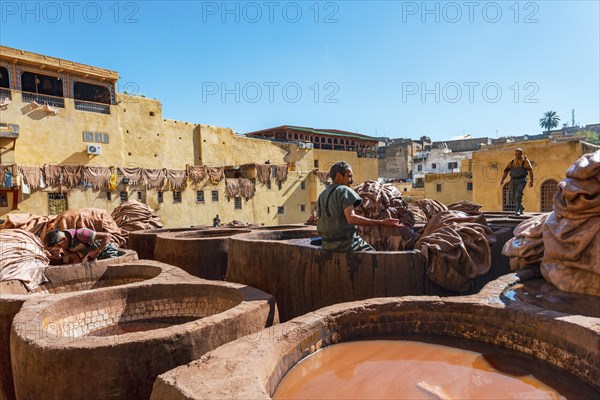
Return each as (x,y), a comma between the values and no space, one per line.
(591,137)
(550,120)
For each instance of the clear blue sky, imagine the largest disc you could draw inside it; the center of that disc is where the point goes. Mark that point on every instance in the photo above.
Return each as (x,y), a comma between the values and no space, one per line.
(374,67)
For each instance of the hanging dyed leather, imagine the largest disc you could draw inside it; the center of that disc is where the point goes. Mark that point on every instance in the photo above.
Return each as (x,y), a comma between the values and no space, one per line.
(216,174)
(154,178)
(263,173)
(196,173)
(135,175)
(32,176)
(72,175)
(176,178)
(99,177)
(53,174)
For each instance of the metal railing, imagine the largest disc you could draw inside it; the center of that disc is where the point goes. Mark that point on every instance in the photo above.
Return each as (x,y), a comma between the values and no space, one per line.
(5,94)
(91,106)
(43,99)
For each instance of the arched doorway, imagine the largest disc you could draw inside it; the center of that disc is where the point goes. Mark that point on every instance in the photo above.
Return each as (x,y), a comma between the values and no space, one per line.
(549,188)
(508,203)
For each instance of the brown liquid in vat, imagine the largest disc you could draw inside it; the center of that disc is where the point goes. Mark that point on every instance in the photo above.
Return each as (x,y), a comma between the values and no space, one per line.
(396,369)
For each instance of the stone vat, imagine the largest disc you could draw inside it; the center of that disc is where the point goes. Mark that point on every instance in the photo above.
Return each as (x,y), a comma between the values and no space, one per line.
(63,278)
(252,367)
(304,278)
(144,242)
(201,253)
(112,343)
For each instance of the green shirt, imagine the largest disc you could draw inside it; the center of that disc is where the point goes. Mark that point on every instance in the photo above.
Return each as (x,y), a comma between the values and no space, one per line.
(337,233)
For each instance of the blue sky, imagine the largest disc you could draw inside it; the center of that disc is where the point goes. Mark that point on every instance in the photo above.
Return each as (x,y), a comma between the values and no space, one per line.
(384,68)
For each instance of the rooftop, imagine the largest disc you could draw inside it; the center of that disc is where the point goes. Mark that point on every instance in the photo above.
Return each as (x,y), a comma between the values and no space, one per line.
(41,61)
(330,132)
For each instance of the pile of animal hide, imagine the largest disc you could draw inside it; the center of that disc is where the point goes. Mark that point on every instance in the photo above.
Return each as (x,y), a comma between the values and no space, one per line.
(457,247)
(566,242)
(526,248)
(92,218)
(456,244)
(135,216)
(381,201)
(22,257)
(36,224)
(572,231)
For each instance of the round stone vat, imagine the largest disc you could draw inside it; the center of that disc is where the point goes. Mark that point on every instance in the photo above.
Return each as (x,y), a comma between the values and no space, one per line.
(569,342)
(304,278)
(202,253)
(143,242)
(111,344)
(63,278)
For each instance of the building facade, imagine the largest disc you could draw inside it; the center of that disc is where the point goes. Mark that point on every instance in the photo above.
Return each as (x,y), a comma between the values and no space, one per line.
(55,112)
(550,161)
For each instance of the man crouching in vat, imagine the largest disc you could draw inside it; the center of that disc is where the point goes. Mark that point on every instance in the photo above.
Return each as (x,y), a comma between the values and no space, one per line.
(79,245)
(337,223)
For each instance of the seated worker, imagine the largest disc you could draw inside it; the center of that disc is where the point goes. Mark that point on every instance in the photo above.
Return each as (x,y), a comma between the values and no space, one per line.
(217,221)
(338,222)
(88,244)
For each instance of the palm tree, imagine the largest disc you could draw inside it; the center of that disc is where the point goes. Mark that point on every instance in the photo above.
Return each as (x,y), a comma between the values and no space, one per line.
(550,120)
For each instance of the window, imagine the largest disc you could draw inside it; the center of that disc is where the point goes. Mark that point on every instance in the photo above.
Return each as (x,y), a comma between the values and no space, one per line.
(508,203)
(4,78)
(269,184)
(160,197)
(139,195)
(237,203)
(316,163)
(469,185)
(280,210)
(3,199)
(452,165)
(279,185)
(88,92)
(123,196)
(405,189)
(108,196)
(438,187)
(215,195)
(57,203)
(549,188)
(200,196)
(302,208)
(433,166)
(419,168)
(41,84)
(303,185)
(176,197)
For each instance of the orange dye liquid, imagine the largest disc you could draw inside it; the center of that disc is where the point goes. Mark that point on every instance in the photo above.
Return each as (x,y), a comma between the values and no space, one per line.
(396,369)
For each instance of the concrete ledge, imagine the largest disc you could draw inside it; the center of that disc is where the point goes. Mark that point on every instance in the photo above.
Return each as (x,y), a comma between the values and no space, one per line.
(201,253)
(252,367)
(112,343)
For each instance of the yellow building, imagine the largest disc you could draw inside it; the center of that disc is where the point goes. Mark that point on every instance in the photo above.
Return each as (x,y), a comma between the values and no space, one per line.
(58,112)
(450,187)
(550,161)
(409,193)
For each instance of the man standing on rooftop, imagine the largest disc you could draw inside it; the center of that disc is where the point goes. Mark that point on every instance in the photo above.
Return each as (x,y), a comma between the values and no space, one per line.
(518,168)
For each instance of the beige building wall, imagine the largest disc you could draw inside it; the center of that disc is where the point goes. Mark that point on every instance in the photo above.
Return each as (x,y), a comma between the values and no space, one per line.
(550,160)
(139,136)
(449,188)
